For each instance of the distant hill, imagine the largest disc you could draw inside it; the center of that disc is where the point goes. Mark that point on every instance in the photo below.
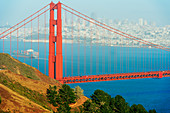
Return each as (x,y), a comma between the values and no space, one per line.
(35,36)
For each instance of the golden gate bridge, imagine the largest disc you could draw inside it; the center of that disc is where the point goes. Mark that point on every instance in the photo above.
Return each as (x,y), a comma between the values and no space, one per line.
(99,44)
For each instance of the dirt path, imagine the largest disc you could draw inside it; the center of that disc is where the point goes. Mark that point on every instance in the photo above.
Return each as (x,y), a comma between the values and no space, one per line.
(79,102)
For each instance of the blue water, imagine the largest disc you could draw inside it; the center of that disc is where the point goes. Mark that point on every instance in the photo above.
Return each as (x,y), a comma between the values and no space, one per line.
(152,93)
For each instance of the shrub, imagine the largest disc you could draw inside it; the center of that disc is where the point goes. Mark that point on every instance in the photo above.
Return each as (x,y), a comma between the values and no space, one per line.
(78,92)
(137,109)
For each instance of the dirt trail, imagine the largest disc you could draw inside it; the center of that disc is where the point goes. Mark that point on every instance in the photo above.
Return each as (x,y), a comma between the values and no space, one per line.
(79,102)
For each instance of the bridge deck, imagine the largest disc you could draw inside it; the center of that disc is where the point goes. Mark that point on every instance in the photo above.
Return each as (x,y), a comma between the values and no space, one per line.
(109,77)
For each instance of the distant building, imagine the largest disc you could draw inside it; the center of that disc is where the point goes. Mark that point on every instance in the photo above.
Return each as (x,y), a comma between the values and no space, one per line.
(141,21)
(145,22)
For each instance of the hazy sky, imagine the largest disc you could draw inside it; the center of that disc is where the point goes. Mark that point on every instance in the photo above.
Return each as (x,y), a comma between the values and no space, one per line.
(13,11)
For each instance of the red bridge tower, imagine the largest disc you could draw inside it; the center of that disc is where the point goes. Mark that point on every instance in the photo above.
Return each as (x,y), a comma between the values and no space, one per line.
(55,60)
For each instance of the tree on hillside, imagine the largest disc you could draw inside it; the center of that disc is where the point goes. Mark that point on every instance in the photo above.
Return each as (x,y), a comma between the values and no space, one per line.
(152,111)
(53,96)
(61,98)
(100,102)
(78,92)
(90,107)
(112,105)
(121,104)
(105,109)
(66,94)
(63,108)
(100,97)
(137,109)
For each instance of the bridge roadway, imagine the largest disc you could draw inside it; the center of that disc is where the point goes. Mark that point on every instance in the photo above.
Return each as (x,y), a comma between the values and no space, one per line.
(110,77)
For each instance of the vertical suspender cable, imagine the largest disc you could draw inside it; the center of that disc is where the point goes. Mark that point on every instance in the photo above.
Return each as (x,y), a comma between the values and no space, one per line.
(72,47)
(91,39)
(116,57)
(110,53)
(137,54)
(145,53)
(165,59)
(109,61)
(128,56)
(45,42)
(31,43)
(122,58)
(151,60)
(120,46)
(65,43)
(38,43)
(158,61)
(78,46)
(103,53)
(168,60)
(114,63)
(161,60)
(143,58)
(10,43)
(84,47)
(97,51)
(17,44)
(134,67)
(24,44)
(108,44)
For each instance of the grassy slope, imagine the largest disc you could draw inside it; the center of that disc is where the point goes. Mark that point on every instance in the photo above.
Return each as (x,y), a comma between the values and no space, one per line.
(9,63)
(13,102)
(32,95)
(25,81)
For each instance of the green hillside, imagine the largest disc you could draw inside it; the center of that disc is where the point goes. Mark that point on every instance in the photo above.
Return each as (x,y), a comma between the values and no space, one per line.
(9,63)
(24,82)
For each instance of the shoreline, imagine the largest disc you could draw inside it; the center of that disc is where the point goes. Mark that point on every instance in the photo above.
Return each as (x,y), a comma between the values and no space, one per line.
(71,41)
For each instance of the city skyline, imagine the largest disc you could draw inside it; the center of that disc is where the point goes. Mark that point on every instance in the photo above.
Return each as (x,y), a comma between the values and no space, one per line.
(142,29)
